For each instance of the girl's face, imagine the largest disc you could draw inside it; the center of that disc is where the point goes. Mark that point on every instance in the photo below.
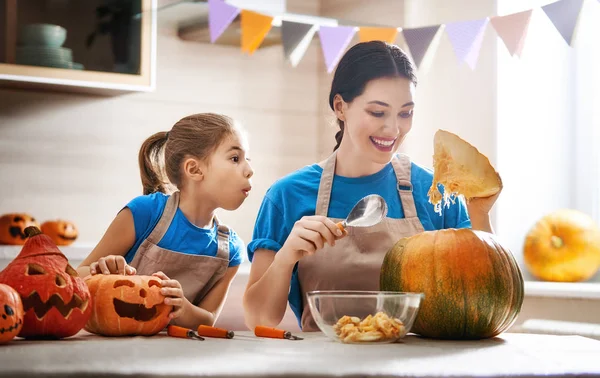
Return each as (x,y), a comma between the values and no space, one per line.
(377,121)
(227,177)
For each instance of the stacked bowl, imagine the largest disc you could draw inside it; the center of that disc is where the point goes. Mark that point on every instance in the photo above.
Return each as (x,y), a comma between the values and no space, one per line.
(41,45)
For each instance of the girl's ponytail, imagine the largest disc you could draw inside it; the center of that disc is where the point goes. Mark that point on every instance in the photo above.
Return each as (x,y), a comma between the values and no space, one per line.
(150,158)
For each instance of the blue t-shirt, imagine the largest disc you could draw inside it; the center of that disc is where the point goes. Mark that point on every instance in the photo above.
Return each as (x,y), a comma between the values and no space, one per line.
(182,236)
(295,196)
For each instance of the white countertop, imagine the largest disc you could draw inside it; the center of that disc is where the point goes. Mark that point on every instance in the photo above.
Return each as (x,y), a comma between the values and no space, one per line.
(510,355)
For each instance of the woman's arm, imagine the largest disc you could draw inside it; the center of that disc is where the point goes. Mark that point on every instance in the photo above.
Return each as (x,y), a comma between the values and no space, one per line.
(265,299)
(117,240)
(206,313)
(479,212)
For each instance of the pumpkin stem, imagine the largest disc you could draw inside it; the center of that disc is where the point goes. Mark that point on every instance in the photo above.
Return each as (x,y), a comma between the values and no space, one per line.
(556,241)
(32,231)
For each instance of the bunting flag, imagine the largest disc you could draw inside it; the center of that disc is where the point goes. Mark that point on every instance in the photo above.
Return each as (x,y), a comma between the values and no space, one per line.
(334,40)
(220,16)
(564,15)
(418,41)
(296,38)
(366,34)
(466,38)
(512,29)
(255,27)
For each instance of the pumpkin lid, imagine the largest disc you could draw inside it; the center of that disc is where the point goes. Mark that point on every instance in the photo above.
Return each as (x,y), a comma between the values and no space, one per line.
(461,169)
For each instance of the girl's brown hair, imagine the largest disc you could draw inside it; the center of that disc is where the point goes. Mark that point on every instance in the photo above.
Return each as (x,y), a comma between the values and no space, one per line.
(196,135)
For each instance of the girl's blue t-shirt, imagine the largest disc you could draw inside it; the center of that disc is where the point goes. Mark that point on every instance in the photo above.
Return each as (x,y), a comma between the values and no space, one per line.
(182,235)
(295,196)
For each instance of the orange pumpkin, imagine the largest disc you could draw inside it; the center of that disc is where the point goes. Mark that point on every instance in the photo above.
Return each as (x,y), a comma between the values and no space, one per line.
(563,246)
(55,299)
(12,228)
(126,305)
(472,284)
(61,232)
(11,309)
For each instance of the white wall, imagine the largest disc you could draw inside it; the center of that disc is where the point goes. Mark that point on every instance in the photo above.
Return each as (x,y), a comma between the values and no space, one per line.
(539,116)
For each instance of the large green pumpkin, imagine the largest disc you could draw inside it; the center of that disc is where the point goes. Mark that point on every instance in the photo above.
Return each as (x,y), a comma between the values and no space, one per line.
(472,284)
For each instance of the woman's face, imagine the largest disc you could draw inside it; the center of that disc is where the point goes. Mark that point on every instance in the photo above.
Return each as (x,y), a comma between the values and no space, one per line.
(377,121)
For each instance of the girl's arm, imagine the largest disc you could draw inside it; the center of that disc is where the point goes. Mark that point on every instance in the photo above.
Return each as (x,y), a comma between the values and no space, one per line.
(479,212)
(117,240)
(206,313)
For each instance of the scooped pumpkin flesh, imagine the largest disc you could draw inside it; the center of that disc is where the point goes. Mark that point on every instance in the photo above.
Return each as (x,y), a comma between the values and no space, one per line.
(461,169)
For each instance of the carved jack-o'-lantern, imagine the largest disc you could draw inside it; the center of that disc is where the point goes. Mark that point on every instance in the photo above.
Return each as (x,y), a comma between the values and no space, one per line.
(60,231)
(55,299)
(126,305)
(12,228)
(11,313)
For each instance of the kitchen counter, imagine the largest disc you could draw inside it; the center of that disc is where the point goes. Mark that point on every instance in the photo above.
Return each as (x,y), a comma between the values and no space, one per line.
(511,354)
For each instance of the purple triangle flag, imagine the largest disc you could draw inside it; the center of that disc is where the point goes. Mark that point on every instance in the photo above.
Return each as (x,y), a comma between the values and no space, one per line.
(418,41)
(334,40)
(220,15)
(466,38)
(564,14)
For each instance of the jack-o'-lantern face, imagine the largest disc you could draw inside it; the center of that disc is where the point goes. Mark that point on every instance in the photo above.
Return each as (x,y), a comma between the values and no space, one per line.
(12,228)
(60,231)
(126,305)
(11,313)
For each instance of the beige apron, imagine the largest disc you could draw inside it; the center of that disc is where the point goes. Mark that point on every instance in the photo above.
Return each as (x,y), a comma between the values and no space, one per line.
(197,274)
(355,261)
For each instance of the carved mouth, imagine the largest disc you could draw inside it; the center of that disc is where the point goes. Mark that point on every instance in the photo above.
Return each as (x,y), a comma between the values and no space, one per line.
(12,327)
(17,232)
(69,238)
(41,308)
(135,311)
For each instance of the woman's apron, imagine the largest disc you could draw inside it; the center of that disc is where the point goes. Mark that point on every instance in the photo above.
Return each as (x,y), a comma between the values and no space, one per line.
(354,263)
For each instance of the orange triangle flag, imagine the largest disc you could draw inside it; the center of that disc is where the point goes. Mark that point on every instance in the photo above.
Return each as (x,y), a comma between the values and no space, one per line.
(366,34)
(255,27)
(513,30)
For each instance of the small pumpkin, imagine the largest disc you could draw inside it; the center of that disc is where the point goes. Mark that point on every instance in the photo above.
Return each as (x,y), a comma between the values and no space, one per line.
(61,232)
(126,305)
(563,246)
(12,228)
(11,309)
(472,284)
(461,169)
(55,299)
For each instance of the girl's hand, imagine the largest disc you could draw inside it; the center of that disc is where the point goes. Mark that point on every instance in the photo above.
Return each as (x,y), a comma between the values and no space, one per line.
(174,293)
(309,235)
(112,264)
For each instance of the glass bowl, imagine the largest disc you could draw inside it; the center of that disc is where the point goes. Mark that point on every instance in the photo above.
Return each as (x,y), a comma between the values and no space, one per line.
(358,317)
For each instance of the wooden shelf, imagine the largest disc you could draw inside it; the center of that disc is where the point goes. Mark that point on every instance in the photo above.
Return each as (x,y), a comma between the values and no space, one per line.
(88,81)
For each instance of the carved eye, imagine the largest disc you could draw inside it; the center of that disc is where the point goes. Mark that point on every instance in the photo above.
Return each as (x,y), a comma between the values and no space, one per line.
(18,219)
(35,270)
(60,281)
(8,310)
(71,272)
(153,283)
(123,283)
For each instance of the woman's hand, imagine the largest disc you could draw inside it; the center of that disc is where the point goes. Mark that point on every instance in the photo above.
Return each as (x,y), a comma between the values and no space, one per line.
(173,292)
(309,235)
(112,264)
(482,205)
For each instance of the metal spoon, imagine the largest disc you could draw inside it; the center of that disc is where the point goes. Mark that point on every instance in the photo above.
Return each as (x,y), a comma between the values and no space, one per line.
(367,212)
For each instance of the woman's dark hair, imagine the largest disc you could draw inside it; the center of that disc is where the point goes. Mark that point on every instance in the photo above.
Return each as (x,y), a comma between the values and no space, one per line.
(364,62)
(197,135)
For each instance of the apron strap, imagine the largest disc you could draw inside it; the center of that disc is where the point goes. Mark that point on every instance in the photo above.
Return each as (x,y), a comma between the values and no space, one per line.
(402,166)
(325,185)
(222,240)
(165,220)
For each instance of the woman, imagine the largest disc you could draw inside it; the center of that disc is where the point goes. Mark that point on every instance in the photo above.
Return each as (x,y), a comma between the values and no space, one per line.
(296,245)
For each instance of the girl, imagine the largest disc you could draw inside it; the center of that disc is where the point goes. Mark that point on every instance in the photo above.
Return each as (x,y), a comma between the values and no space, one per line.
(296,246)
(177,237)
